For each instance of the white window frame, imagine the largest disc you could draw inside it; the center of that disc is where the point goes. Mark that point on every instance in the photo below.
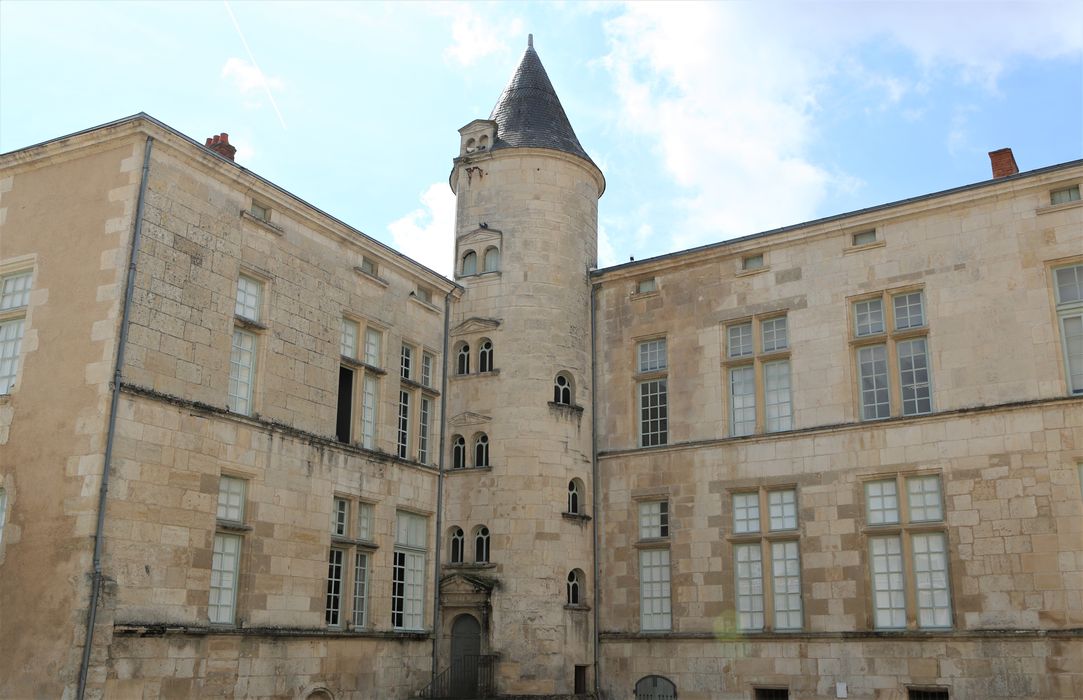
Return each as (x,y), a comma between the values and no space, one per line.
(888,582)
(891,354)
(782,509)
(15,288)
(786,585)
(349,338)
(242,371)
(655,592)
(249,300)
(748,587)
(402,432)
(756,369)
(408,571)
(231,498)
(424,428)
(746,513)
(653,520)
(369,400)
(361,584)
(336,582)
(1070,323)
(225,575)
(653,412)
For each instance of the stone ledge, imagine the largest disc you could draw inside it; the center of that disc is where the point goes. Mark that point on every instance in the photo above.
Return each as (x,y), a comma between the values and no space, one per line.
(162,629)
(869,635)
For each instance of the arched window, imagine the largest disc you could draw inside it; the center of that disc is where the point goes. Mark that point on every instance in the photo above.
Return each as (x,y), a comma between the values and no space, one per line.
(481,545)
(562,389)
(575,586)
(655,688)
(470,263)
(458,452)
(481,450)
(491,262)
(483,142)
(575,493)
(485,356)
(458,541)
(462,360)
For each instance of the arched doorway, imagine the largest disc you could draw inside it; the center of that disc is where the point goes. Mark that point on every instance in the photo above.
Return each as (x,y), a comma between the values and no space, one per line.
(655,688)
(465,650)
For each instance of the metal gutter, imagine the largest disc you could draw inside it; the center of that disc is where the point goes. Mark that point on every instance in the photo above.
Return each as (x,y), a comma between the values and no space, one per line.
(594,485)
(440,491)
(110,436)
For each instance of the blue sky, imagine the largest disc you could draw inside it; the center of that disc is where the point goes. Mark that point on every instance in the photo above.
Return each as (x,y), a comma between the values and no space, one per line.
(709,120)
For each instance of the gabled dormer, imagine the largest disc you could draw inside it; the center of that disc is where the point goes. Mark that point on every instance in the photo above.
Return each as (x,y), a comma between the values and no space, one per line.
(477,137)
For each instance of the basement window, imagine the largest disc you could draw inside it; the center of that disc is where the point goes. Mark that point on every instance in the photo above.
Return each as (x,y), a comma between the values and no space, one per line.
(863,238)
(1064,195)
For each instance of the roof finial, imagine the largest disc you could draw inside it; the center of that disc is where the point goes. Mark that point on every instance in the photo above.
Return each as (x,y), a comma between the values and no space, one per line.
(530,41)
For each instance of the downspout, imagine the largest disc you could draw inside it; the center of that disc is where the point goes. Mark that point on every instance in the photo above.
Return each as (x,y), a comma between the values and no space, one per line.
(440,492)
(110,435)
(595,500)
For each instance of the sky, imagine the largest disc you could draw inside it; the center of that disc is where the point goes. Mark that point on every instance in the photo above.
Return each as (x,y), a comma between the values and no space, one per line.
(710,121)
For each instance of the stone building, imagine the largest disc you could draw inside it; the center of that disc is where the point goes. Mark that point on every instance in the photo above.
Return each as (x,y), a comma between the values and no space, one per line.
(246,450)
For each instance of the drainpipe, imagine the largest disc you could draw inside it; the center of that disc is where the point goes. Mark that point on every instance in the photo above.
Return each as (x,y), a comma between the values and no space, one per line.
(595,500)
(440,493)
(103,491)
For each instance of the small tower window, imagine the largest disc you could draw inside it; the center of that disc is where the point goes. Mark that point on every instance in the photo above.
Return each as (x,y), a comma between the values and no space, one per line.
(562,390)
(481,545)
(471,144)
(457,540)
(492,259)
(575,495)
(458,452)
(462,360)
(485,356)
(575,585)
(470,264)
(481,450)
(483,142)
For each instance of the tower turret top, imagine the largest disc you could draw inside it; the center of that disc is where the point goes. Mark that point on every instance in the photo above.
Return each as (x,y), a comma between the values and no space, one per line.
(529,114)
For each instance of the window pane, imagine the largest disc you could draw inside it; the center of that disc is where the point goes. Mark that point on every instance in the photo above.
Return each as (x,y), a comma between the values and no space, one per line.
(1068,194)
(914,377)
(652,355)
(1072,329)
(1069,284)
(242,366)
(231,499)
(492,260)
(248,298)
(333,608)
(15,291)
(881,502)
(923,493)
(223,591)
(427,360)
(740,340)
(777,407)
(783,509)
(368,412)
(470,263)
(909,311)
(360,588)
(742,401)
(11,337)
(872,368)
(748,570)
(868,317)
(340,517)
(406,362)
(654,590)
(931,580)
(411,530)
(372,347)
(746,513)
(348,345)
(774,334)
(653,519)
(786,580)
(889,599)
(402,440)
(423,431)
(653,413)
(364,521)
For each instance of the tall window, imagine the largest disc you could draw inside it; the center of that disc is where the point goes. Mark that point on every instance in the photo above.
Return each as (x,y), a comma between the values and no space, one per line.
(1069,296)
(492,259)
(462,359)
(14,299)
(757,368)
(457,542)
(651,365)
(408,571)
(402,440)
(368,411)
(373,341)
(3,512)
(226,553)
(458,452)
(424,430)
(470,264)
(907,548)
(242,361)
(406,362)
(575,587)
(485,356)
(654,574)
(774,601)
(348,338)
(562,390)
(349,563)
(359,345)
(428,361)
(575,496)
(481,450)
(891,330)
(481,545)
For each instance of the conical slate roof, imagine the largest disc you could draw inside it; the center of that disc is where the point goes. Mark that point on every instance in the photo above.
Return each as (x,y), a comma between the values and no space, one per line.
(529,114)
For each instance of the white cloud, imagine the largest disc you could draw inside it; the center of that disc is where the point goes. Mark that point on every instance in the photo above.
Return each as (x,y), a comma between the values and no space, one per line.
(427,234)
(733,94)
(248,79)
(476,35)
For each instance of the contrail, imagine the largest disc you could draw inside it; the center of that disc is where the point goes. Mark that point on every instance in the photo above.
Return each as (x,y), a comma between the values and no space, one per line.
(252,58)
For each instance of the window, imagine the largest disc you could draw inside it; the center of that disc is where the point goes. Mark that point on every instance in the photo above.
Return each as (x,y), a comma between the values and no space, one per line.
(408,571)
(771,511)
(575,494)
(368,412)
(360,589)
(655,688)
(863,238)
(892,330)
(423,294)
(752,262)
(1069,298)
(348,341)
(361,371)
(653,399)
(458,540)
(428,360)
(492,259)
(1064,195)
(646,286)
(653,520)
(364,521)
(372,347)
(249,298)
(772,694)
(759,382)
(406,362)
(242,371)
(14,299)
(481,545)
(892,568)
(344,414)
(340,517)
(462,359)
(369,266)
(333,608)
(927,694)
(424,430)
(470,264)
(575,587)
(458,452)
(562,390)
(481,450)
(654,590)
(349,563)
(258,211)
(3,513)
(485,356)
(402,439)
(226,551)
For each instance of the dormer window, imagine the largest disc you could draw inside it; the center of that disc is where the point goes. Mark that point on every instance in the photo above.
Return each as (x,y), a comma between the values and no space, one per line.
(470,264)
(471,145)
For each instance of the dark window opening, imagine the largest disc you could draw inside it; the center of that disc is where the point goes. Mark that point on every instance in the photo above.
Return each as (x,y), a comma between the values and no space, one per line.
(772,694)
(345,404)
(580,680)
(919,694)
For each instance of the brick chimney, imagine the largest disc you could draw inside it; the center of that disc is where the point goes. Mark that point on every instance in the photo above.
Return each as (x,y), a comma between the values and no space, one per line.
(1003,163)
(220,145)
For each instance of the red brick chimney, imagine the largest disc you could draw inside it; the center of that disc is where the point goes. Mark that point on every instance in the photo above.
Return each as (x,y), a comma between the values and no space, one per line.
(1003,163)
(220,145)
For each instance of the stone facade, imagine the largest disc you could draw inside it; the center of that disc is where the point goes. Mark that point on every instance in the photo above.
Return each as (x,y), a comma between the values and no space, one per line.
(330,468)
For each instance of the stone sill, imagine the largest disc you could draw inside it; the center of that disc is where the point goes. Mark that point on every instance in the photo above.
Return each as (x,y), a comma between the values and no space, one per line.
(467,470)
(427,305)
(868,246)
(887,635)
(467,566)
(248,324)
(1051,208)
(233,526)
(577,608)
(581,517)
(353,542)
(160,629)
(372,278)
(361,364)
(475,375)
(753,271)
(418,385)
(566,408)
(247,216)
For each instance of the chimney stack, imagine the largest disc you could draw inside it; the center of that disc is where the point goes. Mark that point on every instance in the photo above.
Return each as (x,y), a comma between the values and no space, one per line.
(1003,163)
(220,145)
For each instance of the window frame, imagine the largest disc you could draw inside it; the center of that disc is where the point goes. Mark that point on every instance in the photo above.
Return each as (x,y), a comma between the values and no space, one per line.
(749,362)
(651,362)
(352,533)
(14,317)
(1068,310)
(232,500)
(409,557)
